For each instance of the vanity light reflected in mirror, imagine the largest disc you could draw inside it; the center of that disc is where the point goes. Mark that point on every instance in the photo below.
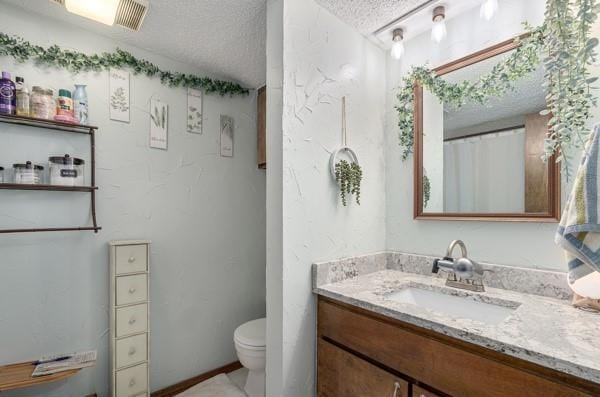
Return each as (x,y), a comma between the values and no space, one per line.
(488,9)
(398,47)
(483,162)
(438,31)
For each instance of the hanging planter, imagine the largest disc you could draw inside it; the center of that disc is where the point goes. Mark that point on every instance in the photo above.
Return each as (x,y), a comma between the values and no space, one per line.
(346,173)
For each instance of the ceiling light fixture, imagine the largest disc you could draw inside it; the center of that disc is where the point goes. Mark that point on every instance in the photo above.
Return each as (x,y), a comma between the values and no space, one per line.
(488,9)
(103,11)
(438,32)
(398,46)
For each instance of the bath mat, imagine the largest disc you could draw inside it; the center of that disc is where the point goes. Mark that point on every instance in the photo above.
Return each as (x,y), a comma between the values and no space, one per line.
(219,386)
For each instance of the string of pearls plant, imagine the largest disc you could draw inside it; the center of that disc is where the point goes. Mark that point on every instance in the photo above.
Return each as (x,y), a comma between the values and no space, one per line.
(75,61)
(348,176)
(563,44)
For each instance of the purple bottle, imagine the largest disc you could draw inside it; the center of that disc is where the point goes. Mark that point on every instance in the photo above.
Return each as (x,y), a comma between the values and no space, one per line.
(8,99)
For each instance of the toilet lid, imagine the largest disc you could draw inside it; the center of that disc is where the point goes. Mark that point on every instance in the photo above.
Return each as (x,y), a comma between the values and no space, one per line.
(251,333)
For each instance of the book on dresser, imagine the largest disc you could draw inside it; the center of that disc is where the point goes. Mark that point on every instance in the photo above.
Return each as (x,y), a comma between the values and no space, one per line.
(129,317)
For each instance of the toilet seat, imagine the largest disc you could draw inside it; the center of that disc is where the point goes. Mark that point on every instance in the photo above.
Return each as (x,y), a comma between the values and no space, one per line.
(251,335)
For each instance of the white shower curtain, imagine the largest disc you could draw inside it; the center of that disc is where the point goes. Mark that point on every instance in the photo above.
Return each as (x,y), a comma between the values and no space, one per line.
(485,173)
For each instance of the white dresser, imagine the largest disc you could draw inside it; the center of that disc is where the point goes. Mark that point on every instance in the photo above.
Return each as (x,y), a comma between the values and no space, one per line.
(130,317)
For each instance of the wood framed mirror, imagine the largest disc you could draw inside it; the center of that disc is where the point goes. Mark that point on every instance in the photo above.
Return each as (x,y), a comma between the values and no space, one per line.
(483,162)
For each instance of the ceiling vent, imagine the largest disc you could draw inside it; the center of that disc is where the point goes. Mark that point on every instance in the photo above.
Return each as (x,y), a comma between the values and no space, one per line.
(130,14)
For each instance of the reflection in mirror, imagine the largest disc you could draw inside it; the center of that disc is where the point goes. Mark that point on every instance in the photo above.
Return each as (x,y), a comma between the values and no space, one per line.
(486,159)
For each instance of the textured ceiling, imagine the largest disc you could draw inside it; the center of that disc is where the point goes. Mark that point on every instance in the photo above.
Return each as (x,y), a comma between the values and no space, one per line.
(529,96)
(367,16)
(222,37)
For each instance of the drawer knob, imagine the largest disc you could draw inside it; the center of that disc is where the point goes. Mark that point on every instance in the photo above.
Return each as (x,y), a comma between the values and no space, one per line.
(132,320)
(132,290)
(132,351)
(132,382)
(131,259)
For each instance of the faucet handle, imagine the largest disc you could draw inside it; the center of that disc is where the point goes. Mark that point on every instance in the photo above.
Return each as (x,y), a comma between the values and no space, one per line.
(436,267)
(447,261)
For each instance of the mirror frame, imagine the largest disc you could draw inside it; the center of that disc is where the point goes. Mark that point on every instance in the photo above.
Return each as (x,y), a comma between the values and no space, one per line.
(554,192)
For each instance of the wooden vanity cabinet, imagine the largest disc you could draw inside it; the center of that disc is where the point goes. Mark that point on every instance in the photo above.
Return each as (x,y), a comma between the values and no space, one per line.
(361,353)
(420,392)
(344,374)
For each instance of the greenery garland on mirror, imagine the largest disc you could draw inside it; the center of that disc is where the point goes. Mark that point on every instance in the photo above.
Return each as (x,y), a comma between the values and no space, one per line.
(564,42)
(74,61)
(349,176)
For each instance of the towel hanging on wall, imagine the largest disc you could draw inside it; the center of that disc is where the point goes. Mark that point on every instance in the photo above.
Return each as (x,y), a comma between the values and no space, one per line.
(579,229)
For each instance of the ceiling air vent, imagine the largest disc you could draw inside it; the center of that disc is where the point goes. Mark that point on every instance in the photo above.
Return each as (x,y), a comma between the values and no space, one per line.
(131,13)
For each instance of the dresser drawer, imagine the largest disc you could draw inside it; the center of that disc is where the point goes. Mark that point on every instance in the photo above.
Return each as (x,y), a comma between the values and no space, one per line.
(132,381)
(131,258)
(131,289)
(131,320)
(131,350)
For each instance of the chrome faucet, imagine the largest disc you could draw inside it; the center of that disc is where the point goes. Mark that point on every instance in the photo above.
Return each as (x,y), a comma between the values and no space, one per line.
(462,272)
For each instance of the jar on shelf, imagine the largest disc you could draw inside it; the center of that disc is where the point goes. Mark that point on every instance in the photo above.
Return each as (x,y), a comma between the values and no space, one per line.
(28,173)
(42,103)
(66,170)
(1,174)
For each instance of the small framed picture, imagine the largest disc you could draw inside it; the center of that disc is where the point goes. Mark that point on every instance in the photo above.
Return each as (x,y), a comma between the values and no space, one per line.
(118,86)
(226,136)
(194,111)
(159,122)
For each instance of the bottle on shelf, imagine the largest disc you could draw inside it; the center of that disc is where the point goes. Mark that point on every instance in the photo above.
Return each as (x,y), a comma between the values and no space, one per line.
(8,100)
(80,103)
(23,97)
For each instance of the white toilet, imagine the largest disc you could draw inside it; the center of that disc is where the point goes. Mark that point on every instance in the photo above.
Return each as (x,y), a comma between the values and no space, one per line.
(250,345)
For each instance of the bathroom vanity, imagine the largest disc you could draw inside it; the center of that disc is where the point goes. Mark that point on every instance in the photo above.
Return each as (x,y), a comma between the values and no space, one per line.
(381,332)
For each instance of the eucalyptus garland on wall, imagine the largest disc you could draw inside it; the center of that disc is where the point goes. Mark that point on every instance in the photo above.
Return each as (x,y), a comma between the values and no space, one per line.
(564,42)
(74,61)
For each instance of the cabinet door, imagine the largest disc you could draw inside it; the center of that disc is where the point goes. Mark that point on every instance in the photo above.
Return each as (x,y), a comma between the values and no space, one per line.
(342,374)
(418,392)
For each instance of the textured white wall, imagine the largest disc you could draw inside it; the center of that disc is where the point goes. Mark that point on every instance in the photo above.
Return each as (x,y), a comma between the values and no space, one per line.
(274,197)
(324,60)
(205,215)
(523,244)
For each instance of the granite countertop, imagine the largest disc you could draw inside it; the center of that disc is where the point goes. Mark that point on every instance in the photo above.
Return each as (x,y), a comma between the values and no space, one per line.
(543,330)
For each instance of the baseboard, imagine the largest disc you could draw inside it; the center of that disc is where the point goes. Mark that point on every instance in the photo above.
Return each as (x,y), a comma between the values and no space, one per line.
(186,384)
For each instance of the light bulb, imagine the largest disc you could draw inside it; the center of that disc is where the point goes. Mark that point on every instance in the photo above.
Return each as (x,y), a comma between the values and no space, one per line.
(488,9)
(398,46)
(103,11)
(397,50)
(438,32)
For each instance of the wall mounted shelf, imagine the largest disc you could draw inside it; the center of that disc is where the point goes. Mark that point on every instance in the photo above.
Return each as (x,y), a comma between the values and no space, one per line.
(55,188)
(16,376)
(63,127)
(47,124)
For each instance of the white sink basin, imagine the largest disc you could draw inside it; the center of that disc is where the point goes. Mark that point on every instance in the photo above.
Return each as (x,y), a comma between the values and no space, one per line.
(455,306)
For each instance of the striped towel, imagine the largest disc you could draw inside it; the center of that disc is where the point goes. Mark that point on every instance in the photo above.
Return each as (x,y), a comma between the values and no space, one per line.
(579,230)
